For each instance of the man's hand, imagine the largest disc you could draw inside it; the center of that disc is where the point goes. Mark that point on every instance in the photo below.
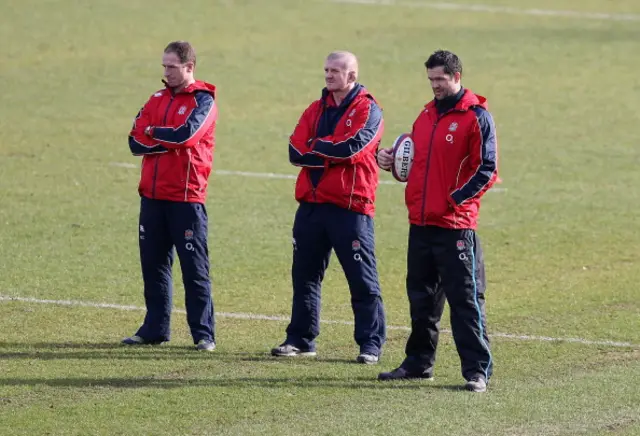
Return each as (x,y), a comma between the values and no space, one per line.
(148,131)
(385,158)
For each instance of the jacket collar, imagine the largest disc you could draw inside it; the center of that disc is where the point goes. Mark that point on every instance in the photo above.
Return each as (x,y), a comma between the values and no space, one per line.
(355,92)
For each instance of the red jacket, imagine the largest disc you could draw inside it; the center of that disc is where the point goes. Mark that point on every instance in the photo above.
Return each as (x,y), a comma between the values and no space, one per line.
(336,146)
(175,136)
(455,163)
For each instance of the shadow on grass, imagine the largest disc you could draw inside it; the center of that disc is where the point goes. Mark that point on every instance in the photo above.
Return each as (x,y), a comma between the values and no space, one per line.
(108,351)
(238,382)
(267,357)
(61,345)
(91,351)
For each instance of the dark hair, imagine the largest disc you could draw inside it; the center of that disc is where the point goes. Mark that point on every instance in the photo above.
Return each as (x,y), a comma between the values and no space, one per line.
(183,50)
(446,59)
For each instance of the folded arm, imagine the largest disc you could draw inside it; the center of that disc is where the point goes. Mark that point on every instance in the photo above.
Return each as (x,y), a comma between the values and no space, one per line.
(194,128)
(139,143)
(300,154)
(364,134)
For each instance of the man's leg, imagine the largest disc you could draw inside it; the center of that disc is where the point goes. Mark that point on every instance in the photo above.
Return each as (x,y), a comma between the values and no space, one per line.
(353,239)
(311,251)
(426,302)
(461,267)
(189,229)
(156,259)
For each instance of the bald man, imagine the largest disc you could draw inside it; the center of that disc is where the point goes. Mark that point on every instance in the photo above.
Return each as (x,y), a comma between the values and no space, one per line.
(334,144)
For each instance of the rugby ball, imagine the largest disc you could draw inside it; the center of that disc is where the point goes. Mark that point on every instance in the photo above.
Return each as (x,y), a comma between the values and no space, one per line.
(402,152)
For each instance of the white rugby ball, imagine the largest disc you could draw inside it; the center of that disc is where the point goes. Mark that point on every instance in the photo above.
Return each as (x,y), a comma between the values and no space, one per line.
(403,151)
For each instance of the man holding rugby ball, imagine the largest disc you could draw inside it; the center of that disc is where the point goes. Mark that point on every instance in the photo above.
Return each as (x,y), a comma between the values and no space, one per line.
(454,164)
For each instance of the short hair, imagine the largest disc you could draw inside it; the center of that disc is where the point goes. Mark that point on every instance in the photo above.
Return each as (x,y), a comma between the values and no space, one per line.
(443,58)
(183,50)
(349,59)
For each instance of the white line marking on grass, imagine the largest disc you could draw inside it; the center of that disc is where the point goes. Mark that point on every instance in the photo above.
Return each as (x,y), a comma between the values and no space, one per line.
(498,9)
(259,175)
(255,316)
(123,165)
(243,173)
(269,175)
(277,176)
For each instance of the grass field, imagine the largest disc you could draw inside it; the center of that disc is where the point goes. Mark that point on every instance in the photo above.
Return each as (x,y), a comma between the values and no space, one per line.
(560,236)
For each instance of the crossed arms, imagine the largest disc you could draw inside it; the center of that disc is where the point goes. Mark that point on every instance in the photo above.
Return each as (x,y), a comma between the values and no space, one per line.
(145,138)
(364,130)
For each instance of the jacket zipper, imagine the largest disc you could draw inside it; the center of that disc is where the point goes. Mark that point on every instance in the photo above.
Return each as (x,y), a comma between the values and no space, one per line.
(426,173)
(313,187)
(353,185)
(155,168)
(186,182)
(433,132)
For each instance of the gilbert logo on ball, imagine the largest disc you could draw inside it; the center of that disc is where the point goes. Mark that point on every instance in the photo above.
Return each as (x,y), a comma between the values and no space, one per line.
(403,151)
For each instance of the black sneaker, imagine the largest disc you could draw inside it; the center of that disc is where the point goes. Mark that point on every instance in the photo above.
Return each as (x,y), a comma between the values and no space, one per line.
(288,350)
(476,384)
(402,374)
(138,340)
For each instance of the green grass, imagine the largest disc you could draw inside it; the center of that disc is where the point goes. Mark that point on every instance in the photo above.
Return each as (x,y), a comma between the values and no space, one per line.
(560,244)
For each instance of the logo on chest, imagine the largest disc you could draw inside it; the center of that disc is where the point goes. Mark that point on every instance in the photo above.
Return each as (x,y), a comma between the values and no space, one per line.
(349,122)
(452,128)
(182,110)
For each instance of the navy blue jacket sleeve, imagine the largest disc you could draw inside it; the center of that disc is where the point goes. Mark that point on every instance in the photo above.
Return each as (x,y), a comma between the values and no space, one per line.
(139,149)
(196,125)
(483,157)
(304,159)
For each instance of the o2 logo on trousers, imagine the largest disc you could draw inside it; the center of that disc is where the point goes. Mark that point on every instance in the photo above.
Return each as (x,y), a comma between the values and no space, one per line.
(355,247)
(189,246)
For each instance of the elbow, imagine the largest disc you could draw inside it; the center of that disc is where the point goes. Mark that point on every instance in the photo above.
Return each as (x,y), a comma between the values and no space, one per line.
(135,147)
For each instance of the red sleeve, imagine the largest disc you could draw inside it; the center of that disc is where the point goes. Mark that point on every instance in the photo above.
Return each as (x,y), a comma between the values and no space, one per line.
(139,143)
(304,130)
(299,141)
(143,120)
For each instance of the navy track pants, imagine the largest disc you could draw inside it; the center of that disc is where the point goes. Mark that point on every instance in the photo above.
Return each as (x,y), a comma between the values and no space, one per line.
(163,226)
(317,229)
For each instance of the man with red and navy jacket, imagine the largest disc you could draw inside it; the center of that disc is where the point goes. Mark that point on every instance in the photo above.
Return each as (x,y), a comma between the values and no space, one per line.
(455,163)
(174,134)
(334,144)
